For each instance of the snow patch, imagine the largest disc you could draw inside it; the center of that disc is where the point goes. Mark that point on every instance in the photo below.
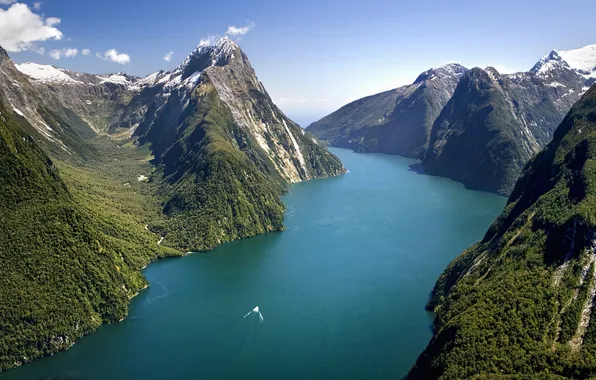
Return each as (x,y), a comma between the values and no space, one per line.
(583,59)
(115,78)
(45,73)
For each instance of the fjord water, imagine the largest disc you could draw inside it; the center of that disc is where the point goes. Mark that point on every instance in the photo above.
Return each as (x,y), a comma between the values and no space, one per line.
(341,292)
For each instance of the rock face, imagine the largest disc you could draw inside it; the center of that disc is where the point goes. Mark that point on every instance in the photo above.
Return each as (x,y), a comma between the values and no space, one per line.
(221,156)
(480,130)
(394,122)
(225,71)
(520,302)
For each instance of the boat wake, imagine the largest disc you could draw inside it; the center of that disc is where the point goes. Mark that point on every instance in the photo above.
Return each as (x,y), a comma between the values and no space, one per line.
(255,311)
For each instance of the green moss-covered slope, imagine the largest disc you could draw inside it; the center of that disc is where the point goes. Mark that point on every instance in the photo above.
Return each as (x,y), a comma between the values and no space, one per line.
(68,261)
(521,300)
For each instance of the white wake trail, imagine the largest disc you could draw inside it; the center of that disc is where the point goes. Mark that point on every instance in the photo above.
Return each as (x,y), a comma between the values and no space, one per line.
(255,310)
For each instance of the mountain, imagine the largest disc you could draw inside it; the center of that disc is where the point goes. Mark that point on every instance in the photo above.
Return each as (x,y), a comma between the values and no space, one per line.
(491,127)
(520,301)
(396,121)
(479,130)
(102,174)
(495,123)
(225,149)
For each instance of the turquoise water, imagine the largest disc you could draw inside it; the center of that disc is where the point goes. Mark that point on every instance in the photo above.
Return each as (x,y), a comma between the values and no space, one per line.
(341,292)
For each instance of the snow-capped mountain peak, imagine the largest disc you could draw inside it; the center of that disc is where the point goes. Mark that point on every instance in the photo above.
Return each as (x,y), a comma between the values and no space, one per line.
(448,70)
(548,63)
(205,55)
(580,61)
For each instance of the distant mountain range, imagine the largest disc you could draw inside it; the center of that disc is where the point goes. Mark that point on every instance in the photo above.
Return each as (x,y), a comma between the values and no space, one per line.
(476,126)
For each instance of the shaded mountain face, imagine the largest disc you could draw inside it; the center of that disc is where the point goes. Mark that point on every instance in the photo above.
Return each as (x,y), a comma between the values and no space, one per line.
(394,122)
(481,133)
(490,129)
(521,300)
(217,154)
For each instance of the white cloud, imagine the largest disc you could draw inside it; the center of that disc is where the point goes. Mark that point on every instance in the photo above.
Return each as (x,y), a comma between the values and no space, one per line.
(6,2)
(37,5)
(240,31)
(21,28)
(209,40)
(68,53)
(56,54)
(51,21)
(168,57)
(113,56)
(86,51)
(40,50)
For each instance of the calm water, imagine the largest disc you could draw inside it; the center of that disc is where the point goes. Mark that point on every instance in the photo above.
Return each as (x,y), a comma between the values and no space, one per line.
(341,292)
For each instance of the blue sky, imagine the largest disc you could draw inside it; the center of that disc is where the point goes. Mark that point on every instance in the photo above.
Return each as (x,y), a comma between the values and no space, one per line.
(312,56)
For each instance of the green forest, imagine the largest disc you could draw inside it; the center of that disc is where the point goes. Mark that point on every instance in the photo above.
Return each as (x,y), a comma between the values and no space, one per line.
(512,304)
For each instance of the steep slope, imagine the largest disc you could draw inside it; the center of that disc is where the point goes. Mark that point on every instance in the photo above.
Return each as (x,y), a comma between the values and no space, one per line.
(490,129)
(521,300)
(212,128)
(102,102)
(394,122)
(581,61)
(65,268)
(40,113)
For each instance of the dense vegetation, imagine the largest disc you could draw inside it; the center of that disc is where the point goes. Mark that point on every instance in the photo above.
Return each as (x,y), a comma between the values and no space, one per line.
(72,245)
(218,183)
(520,301)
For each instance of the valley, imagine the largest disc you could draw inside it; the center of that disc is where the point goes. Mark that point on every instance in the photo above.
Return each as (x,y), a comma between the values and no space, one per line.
(178,224)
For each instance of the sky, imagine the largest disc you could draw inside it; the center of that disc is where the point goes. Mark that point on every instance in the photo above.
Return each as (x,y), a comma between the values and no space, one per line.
(312,56)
